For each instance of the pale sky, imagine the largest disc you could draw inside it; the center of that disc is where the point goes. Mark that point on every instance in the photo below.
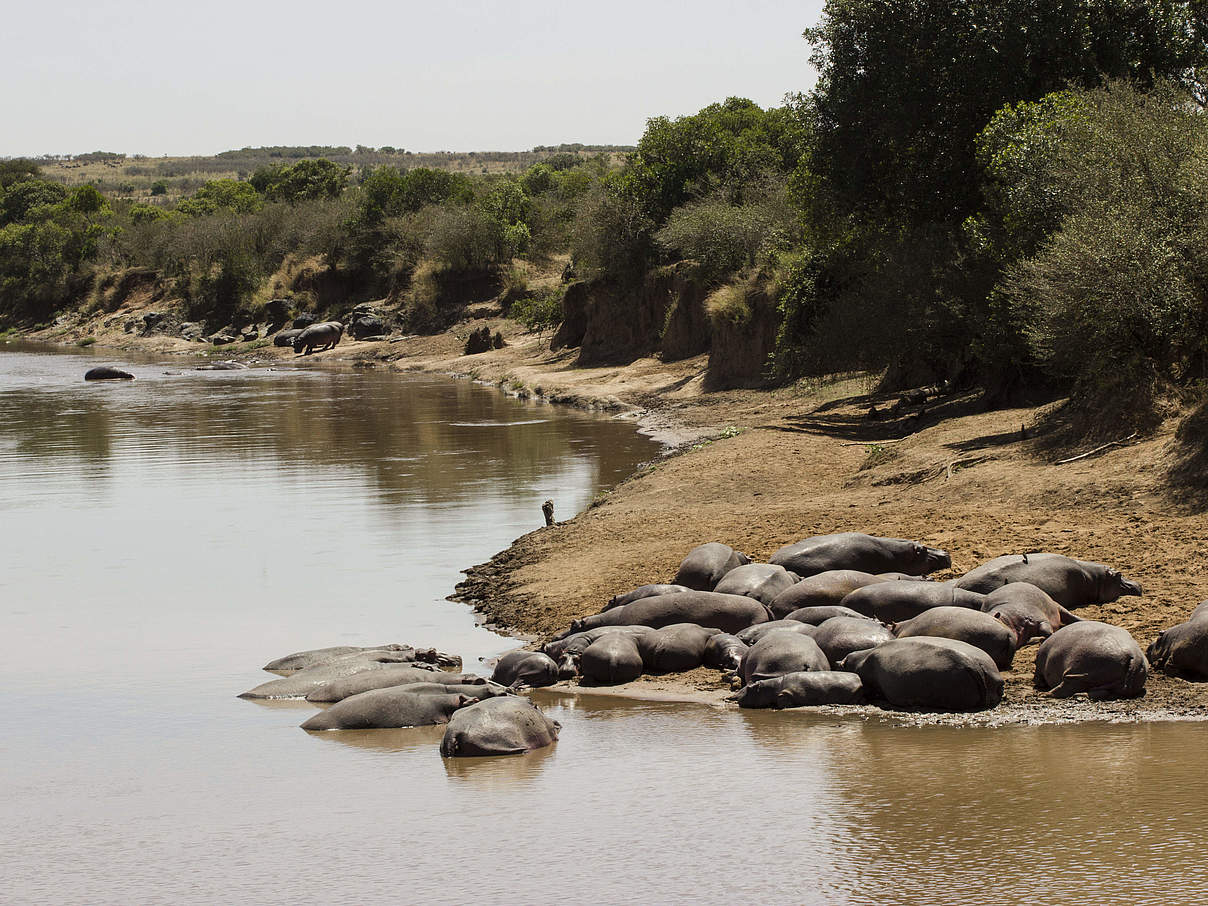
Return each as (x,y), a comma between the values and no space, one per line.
(162,77)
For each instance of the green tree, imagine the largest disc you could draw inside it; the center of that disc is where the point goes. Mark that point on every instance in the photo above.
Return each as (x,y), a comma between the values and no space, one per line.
(222,195)
(306,180)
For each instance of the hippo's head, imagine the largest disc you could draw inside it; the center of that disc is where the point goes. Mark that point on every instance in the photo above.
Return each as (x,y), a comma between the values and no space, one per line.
(1113,585)
(929,559)
(568,667)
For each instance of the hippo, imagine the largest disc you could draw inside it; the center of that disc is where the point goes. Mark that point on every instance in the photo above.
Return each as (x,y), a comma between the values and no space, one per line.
(1027,610)
(793,690)
(973,626)
(725,652)
(643,591)
(106,373)
(286,337)
(222,366)
(611,659)
(903,577)
(892,602)
(778,653)
(928,674)
(674,648)
(300,660)
(761,581)
(381,709)
(498,726)
(753,634)
(575,644)
(728,613)
(525,668)
(867,553)
(816,616)
(301,683)
(1099,659)
(325,335)
(1071,583)
(821,590)
(706,564)
(1182,650)
(389,675)
(840,636)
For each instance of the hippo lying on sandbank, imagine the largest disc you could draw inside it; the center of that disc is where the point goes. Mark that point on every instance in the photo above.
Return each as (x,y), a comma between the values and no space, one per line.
(1027,610)
(1182,650)
(825,589)
(857,551)
(978,629)
(840,636)
(727,613)
(725,652)
(611,659)
(778,653)
(1099,659)
(498,726)
(525,668)
(794,690)
(643,591)
(928,674)
(706,564)
(761,581)
(753,634)
(674,648)
(893,602)
(1071,583)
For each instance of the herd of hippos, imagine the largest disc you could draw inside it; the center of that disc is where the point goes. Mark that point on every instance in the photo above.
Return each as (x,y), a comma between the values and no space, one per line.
(835,619)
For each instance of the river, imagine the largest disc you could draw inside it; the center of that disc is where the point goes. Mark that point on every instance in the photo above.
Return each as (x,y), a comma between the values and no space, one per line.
(166,537)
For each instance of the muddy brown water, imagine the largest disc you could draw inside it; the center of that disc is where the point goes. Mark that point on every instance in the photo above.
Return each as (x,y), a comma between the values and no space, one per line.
(165,538)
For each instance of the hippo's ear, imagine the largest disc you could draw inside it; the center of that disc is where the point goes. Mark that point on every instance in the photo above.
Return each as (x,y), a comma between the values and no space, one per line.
(463,700)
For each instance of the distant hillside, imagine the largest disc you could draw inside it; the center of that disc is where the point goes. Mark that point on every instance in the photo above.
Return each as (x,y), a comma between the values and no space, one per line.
(133,176)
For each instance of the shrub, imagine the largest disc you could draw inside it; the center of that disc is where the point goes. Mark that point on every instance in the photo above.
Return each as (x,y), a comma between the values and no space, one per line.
(465,239)
(722,237)
(540,311)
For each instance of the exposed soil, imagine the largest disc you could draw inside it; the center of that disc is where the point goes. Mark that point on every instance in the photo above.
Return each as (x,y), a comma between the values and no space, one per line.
(808,462)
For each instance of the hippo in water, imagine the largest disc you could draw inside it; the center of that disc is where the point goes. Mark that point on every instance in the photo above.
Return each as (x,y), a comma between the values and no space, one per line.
(793,690)
(1071,583)
(611,659)
(525,668)
(643,591)
(857,551)
(390,675)
(728,613)
(107,373)
(1182,650)
(706,564)
(825,589)
(892,602)
(674,648)
(928,674)
(778,653)
(1027,610)
(978,629)
(303,682)
(761,581)
(498,726)
(1099,659)
(300,660)
(381,709)
(325,335)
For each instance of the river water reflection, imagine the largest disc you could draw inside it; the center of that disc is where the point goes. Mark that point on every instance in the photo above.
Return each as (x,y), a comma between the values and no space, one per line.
(162,539)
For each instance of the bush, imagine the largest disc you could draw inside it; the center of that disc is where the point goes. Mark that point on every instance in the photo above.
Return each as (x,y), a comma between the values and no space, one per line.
(541,311)
(465,239)
(722,237)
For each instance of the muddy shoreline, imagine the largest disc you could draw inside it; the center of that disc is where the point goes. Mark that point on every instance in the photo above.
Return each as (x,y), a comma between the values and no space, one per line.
(758,469)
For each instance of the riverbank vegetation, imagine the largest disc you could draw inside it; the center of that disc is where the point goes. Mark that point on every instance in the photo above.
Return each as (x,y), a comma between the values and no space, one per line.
(1011,197)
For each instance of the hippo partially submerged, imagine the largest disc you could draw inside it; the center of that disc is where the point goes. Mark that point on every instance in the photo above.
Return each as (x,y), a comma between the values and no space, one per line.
(498,726)
(107,373)
(301,683)
(380,709)
(389,675)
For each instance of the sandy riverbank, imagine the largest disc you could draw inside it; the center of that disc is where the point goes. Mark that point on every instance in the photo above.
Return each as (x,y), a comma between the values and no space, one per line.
(808,462)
